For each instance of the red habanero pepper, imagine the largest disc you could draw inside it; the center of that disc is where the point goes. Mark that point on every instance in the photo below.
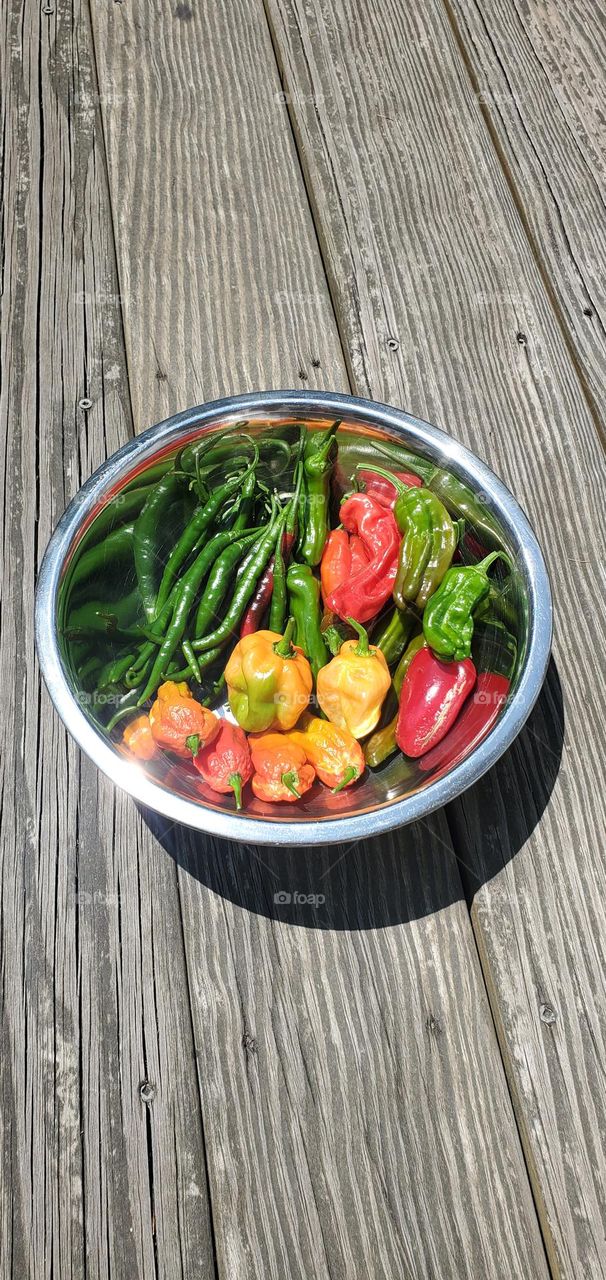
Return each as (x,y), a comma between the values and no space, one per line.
(432,695)
(364,593)
(379,488)
(476,719)
(226,763)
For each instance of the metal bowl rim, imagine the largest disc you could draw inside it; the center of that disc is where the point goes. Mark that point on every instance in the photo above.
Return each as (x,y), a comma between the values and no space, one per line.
(453,455)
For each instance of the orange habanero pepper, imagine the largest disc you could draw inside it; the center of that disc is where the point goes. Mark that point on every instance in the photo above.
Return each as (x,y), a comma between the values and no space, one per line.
(139,739)
(281,768)
(179,723)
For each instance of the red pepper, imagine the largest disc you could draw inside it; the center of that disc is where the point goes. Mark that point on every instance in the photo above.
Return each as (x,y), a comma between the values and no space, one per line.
(432,695)
(226,763)
(474,722)
(253,616)
(382,491)
(363,593)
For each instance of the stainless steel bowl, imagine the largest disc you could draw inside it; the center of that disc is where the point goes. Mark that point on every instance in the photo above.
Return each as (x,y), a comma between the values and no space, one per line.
(399,792)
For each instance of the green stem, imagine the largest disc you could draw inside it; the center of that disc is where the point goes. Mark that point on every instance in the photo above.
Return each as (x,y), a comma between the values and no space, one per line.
(284,647)
(235,782)
(193,743)
(288,780)
(484,565)
(348,776)
(362,648)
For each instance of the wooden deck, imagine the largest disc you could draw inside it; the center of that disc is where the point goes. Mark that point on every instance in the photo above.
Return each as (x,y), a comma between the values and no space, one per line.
(407,201)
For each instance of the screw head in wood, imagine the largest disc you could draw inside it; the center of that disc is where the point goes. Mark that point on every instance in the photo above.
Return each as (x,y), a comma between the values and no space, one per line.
(85,403)
(547,1014)
(522,339)
(392,344)
(147,1092)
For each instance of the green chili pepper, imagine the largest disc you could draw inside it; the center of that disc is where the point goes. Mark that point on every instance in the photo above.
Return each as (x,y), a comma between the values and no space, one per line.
(358,451)
(192,535)
(220,579)
(461,501)
(383,743)
(247,581)
(213,447)
(184,601)
(117,546)
(305,608)
(114,671)
(318,460)
(448,617)
(126,708)
(247,496)
(394,635)
(148,528)
(277,610)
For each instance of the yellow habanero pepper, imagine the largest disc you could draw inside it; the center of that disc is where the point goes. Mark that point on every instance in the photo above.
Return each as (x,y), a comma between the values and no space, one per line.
(269,681)
(335,755)
(352,688)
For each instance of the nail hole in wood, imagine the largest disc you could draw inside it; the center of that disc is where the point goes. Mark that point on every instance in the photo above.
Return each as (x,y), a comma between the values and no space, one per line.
(547,1014)
(392,344)
(521,338)
(587,311)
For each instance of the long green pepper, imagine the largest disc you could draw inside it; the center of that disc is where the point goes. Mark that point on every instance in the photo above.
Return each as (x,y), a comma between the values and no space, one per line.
(148,526)
(306,609)
(319,457)
(247,581)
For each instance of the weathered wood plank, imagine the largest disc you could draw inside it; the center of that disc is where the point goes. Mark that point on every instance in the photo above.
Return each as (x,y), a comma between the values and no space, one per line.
(418,223)
(95,1182)
(538,70)
(354,1105)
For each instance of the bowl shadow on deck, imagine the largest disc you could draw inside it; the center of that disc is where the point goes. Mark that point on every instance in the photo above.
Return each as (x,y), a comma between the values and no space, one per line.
(402,875)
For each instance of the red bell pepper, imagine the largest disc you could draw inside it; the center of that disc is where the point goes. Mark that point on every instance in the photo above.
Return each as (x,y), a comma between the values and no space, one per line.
(432,695)
(474,722)
(226,763)
(363,592)
(379,488)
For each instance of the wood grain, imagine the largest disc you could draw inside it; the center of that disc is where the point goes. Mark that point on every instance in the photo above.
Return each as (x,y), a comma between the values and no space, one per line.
(424,244)
(94,998)
(538,72)
(207,194)
(355,1109)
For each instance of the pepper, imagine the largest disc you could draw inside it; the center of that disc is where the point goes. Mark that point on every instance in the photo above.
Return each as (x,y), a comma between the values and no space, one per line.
(114,549)
(393,636)
(363,594)
(362,451)
(304,604)
(192,535)
(116,511)
(334,753)
(250,571)
(352,688)
(281,768)
(335,567)
(225,763)
(269,681)
(473,724)
(460,500)
(382,489)
(429,542)
(272,584)
(319,456)
(139,739)
(448,618)
(433,693)
(98,616)
(148,528)
(383,743)
(179,723)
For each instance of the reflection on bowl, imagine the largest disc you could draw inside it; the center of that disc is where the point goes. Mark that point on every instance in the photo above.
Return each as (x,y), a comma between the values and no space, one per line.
(90,559)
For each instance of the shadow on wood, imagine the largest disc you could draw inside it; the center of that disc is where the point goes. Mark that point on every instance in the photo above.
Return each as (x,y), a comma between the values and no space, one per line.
(395,877)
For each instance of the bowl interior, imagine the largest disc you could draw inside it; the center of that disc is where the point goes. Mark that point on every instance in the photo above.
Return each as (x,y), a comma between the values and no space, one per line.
(95,570)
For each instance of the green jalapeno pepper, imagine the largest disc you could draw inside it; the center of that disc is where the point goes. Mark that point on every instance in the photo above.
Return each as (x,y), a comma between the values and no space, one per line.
(305,608)
(318,460)
(448,617)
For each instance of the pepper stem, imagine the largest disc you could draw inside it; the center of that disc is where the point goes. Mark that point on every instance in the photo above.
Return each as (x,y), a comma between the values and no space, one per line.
(284,647)
(362,648)
(350,774)
(288,780)
(333,639)
(484,565)
(193,743)
(235,782)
